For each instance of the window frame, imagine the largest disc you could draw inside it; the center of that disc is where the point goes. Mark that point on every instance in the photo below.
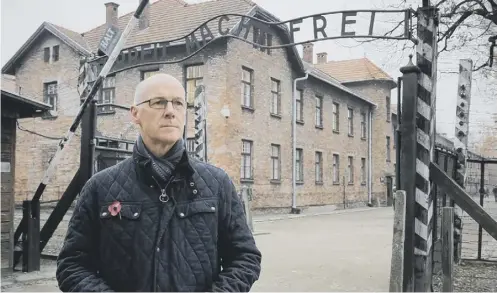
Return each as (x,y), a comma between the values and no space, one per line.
(249,155)
(275,94)
(350,169)
(275,162)
(198,80)
(318,166)
(299,165)
(247,85)
(47,97)
(350,121)
(336,169)
(318,114)
(335,117)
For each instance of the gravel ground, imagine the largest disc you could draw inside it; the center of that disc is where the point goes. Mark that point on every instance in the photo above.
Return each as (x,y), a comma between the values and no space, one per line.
(471,276)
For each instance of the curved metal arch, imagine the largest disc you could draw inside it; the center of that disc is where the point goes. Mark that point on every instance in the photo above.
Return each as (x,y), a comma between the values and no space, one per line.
(408,14)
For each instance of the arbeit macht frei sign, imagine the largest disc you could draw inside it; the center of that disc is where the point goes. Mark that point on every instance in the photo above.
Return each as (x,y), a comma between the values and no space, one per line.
(313,28)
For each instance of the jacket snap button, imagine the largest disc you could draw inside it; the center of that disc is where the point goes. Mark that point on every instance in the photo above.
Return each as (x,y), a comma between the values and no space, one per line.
(151,186)
(194,191)
(158,249)
(191,184)
(104,214)
(135,215)
(181,215)
(213,208)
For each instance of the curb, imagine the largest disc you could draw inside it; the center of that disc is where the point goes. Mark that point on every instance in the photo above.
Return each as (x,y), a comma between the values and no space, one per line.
(335,212)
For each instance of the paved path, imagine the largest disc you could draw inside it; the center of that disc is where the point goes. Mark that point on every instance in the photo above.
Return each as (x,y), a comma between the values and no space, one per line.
(338,252)
(345,251)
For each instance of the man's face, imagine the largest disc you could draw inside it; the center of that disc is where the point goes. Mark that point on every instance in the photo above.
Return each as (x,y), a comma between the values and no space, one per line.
(160,109)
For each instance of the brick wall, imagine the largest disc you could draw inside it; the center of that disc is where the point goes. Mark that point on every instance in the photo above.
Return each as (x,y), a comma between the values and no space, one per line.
(377,92)
(34,152)
(222,77)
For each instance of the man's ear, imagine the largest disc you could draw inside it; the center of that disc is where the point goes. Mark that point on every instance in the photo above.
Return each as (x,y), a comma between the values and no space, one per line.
(134,115)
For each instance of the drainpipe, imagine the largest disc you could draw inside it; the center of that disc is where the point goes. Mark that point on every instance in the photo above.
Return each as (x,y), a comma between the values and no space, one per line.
(370,157)
(294,143)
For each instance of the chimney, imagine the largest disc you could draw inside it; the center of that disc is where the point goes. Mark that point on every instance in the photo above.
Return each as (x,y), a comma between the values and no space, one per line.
(144,17)
(111,13)
(322,57)
(308,52)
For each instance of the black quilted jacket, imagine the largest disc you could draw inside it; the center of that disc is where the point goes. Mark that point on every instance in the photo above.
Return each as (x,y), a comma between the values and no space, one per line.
(197,241)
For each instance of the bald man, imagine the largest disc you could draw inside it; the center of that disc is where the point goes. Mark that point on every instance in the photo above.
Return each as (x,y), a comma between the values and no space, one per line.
(160,220)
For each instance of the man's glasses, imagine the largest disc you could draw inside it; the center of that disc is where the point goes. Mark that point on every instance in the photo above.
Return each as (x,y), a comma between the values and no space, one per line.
(161,103)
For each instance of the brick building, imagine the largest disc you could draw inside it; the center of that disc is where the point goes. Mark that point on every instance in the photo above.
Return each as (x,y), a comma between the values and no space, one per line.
(336,147)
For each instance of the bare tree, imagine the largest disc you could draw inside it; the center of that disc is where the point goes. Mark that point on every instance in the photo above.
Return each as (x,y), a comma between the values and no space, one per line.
(465,27)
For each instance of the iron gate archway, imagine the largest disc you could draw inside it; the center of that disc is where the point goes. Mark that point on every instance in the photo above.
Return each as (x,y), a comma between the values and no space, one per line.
(417,252)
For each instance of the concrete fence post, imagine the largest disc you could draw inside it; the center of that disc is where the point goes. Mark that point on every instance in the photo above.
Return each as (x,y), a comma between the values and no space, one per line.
(447,247)
(246,199)
(397,264)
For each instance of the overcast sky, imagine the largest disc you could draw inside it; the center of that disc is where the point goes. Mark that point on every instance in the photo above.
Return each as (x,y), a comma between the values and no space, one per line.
(82,15)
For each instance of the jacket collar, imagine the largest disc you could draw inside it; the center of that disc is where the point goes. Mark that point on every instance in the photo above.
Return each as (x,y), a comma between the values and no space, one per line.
(184,169)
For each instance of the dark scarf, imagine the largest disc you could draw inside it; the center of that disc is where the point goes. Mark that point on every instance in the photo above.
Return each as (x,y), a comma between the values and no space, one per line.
(162,167)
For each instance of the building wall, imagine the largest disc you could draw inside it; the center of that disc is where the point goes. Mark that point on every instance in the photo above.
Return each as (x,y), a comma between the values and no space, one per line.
(222,79)
(34,152)
(329,142)
(381,128)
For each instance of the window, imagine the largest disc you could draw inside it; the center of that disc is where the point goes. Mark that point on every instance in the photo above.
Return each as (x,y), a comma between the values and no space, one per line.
(148,73)
(50,94)
(275,97)
(336,169)
(336,117)
(247,79)
(388,149)
(363,170)
(350,120)
(46,54)
(319,111)
(299,164)
(262,38)
(55,53)
(350,169)
(275,162)
(194,78)
(107,94)
(363,125)
(246,170)
(190,146)
(319,167)
(300,108)
(389,111)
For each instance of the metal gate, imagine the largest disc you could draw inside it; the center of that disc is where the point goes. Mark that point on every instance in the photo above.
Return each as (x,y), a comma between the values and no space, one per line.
(111,151)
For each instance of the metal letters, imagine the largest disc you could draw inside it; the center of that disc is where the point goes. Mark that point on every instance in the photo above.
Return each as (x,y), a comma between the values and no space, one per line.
(220,27)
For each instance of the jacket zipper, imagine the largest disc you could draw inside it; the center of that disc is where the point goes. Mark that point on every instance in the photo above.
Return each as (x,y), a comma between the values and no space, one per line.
(159,236)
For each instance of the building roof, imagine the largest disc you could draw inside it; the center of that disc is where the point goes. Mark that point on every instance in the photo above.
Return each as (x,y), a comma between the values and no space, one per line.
(318,74)
(70,38)
(23,106)
(354,70)
(167,21)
